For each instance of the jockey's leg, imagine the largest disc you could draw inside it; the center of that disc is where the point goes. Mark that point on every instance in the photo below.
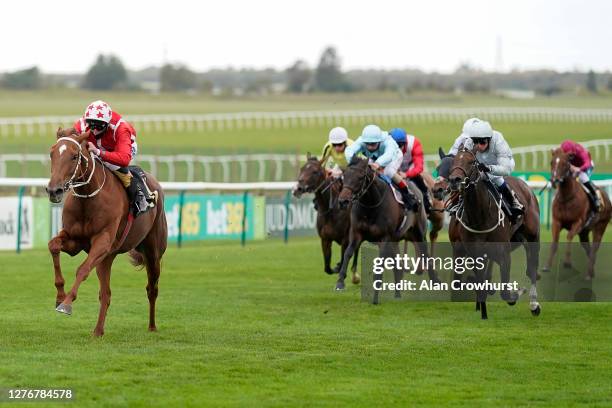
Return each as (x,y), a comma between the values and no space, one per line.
(584,179)
(391,171)
(420,183)
(134,194)
(515,205)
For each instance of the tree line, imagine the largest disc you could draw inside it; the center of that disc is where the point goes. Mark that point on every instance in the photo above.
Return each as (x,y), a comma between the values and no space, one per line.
(109,73)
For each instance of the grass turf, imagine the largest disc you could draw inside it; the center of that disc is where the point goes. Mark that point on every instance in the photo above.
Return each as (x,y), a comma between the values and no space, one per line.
(245,326)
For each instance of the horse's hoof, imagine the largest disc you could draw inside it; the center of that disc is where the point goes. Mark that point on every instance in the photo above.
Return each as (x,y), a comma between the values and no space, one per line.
(588,277)
(63,308)
(512,303)
(536,311)
(567,265)
(153,329)
(98,333)
(330,271)
(544,269)
(356,279)
(339,286)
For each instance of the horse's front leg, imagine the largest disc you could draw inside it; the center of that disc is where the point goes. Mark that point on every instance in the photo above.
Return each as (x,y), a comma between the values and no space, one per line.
(556,229)
(104,272)
(567,263)
(354,243)
(61,242)
(326,247)
(100,247)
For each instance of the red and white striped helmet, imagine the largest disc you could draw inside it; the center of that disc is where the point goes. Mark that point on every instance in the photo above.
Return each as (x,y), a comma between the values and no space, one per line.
(98,110)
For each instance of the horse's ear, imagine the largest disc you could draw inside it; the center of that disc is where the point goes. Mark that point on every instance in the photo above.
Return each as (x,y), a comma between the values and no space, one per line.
(308,155)
(82,137)
(60,132)
(441,153)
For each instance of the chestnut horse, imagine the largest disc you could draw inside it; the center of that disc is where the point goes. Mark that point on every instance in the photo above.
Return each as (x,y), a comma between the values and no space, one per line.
(481,220)
(94,220)
(332,221)
(571,209)
(377,217)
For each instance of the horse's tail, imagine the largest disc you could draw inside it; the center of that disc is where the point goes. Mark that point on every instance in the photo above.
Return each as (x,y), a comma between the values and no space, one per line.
(136,258)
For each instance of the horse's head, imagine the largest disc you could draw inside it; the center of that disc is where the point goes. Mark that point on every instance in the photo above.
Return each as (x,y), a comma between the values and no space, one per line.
(464,170)
(559,166)
(66,157)
(311,177)
(443,168)
(356,177)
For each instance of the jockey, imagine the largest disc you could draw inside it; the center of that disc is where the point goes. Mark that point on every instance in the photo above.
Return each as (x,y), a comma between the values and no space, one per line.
(386,158)
(113,140)
(581,165)
(412,162)
(334,150)
(494,156)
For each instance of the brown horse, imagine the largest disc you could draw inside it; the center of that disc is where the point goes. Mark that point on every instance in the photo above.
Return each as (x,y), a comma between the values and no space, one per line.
(377,217)
(332,221)
(481,220)
(571,209)
(94,219)
(435,216)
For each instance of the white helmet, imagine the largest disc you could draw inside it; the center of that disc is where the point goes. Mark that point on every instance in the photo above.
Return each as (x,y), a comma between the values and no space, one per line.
(98,110)
(478,128)
(338,135)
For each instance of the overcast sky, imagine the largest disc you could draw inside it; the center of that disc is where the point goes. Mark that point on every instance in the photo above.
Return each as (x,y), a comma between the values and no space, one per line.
(65,36)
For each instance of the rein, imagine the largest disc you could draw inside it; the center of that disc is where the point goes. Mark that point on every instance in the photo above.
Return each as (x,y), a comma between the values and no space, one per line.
(73,182)
(364,189)
(469,182)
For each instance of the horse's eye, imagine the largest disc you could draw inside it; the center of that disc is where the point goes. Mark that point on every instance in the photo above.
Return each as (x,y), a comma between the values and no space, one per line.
(74,157)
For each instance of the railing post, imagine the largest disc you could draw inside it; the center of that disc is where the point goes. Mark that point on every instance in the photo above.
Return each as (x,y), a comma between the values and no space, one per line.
(179,238)
(245,198)
(287,207)
(19,207)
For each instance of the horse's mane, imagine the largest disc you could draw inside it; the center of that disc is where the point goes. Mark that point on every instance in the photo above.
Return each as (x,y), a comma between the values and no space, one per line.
(356,160)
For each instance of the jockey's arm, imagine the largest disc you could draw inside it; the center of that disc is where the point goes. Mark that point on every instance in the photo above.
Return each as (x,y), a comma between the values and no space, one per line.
(584,157)
(417,160)
(505,161)
(455,148)
(387,157)
(353,149)
(122,155)
(325,154)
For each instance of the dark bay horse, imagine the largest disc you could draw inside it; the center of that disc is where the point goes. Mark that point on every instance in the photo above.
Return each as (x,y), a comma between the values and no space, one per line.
(571,209)
(94,218)
(332,221)
(377,217)
(481,220)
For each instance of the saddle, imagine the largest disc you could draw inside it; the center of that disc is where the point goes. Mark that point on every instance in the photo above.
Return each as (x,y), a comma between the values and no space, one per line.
(139,180)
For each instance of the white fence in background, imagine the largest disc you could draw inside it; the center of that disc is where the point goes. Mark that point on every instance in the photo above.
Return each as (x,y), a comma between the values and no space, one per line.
(43,125)
(274,167)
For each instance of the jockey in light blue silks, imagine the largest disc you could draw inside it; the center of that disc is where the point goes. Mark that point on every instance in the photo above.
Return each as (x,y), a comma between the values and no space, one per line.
(385,157)
(494,156)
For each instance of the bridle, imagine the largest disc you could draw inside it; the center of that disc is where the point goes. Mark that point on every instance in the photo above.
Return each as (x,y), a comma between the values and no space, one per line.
(366,183)
(468,182)
(73,182)
(553,175)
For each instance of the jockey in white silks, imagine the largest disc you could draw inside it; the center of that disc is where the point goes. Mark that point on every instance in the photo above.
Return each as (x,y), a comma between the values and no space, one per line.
(494,156)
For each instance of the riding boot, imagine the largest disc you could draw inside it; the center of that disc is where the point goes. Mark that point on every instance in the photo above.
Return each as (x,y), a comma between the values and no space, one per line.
(593,195)
(410,201)
(515,205)
(138,201)
(420,183)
